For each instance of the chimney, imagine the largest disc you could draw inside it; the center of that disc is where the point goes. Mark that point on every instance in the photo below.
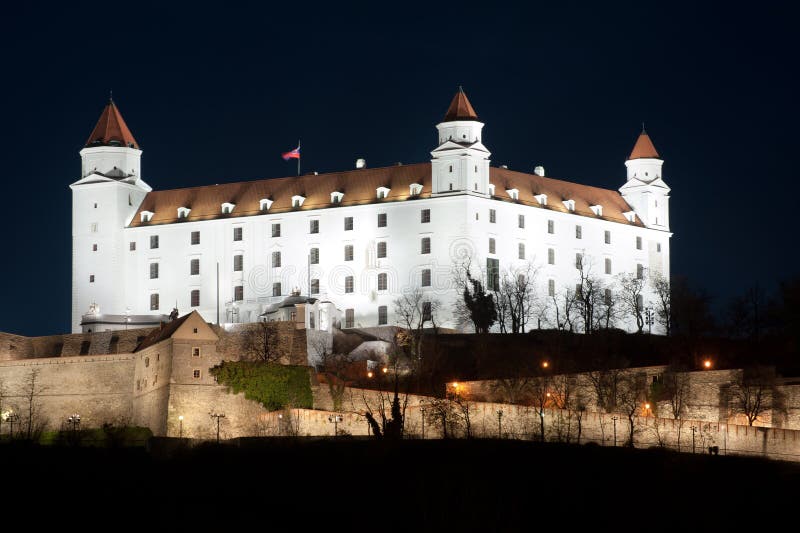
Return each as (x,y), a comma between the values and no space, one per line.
(361,163)
(539,170)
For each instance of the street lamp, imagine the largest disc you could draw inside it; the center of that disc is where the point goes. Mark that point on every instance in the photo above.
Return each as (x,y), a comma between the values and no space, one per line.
(74,421)
(370,374)
(335,419)
(500,424)
(707,364)
(614,418)
(649,319)
(423,423)
(217,416)
(694,430)
(180,420)
(545,364)
(11,417)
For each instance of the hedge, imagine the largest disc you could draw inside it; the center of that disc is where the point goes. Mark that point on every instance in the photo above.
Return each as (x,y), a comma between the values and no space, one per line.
(272,385)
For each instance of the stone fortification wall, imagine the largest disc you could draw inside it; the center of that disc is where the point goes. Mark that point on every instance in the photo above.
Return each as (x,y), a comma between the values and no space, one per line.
(96,387)
(242,341)
(17,347)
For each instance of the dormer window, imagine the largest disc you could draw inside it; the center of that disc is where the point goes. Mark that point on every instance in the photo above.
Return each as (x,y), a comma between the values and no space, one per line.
(597,210)
(264,204)
(147,216)
(382,192)
(513,193)
(491,189)
(297,201)
(227,208)
(336,197)
(542,199)
(570,205)
(415,189)
(630,216)
(183,212)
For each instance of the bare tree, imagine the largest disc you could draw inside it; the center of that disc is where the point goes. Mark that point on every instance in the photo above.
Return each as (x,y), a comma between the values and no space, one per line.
(477,305)
(631,296)
(335,367)
(260,343)
(755,393)
(588,292)
(608,307)
(663,292)
(415,311)
(563,304)
(605,384)
(541,394)
(32,389)
(516,299)
(632,394)
(674,387)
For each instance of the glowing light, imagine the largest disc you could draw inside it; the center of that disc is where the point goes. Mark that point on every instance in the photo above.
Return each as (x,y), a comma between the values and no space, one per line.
(385,370)
(455,385)
(707,363)
(180,418)
(647,406)
(548,394)
(369,374)
(545,364)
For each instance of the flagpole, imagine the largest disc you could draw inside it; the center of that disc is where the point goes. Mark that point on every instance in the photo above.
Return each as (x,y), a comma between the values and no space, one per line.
(298,158)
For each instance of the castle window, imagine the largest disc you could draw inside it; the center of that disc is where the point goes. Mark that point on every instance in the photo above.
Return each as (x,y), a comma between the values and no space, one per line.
(551,256)
(276,259)
(513,194)
(451,168)
(383,281)
(153,241)
(311,321)
(349,318)
(348,223)
(542,199)
(315,286)
(237,233)
(551,227)
(195,297)
(238,263)
(638,243)
(336,197)
(607,299)
(195,238)
(425,245)
(146,362)
(551,287)
(94,247)
(264,204)
(521,221)
(195,330)
(183,212)
(348,252)
(154,301)
(381,220)
(95,205)
(382,192)
(383,315)
(153,270)
(639,271)
(196,351)
(238,293)
(451,186)
(147,216)
(313,226)
(640,301)
(348,284)
(276,230)
(578,232)
(658,247)
(579,261)
(608,237)
(314,256)
(476,169)
(276,289)
(608,266)
(570,205)
(227,208)
(381,249)
(521,250)
(491,245)
(426,277)
(427,312)
(415,189)
(93,227)
(491,189)
(492,216)
(297,201)
(597,210)
(425,216)
(194,267)
(91,278)
(492,274)
(196,373)
(132,246)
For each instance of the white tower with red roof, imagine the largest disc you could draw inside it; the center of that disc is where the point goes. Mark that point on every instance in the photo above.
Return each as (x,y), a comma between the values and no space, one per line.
(645,189)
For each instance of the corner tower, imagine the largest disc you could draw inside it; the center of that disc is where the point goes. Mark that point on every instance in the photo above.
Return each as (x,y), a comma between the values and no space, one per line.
(645,190)
(460,164)
(104,200)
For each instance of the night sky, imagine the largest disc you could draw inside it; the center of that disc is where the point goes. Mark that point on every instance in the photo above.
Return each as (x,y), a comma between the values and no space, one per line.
(215,95)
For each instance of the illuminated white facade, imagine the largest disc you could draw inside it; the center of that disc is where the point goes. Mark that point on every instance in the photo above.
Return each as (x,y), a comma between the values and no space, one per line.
(356,239)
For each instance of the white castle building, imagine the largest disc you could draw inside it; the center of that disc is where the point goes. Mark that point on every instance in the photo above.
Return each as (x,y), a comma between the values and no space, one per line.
(352,240)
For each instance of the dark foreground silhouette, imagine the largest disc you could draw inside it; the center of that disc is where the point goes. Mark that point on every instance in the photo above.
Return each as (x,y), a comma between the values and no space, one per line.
(349,484)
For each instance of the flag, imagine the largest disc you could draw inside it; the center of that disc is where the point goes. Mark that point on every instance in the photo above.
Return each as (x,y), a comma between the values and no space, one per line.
(293,154)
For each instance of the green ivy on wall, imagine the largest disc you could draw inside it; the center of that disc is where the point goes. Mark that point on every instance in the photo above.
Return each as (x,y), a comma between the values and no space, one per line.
(273,386)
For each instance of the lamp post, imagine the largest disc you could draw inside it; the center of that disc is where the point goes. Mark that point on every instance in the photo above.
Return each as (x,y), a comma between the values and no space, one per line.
(423,423)
(180,421)
(614,418)
(74,421)
(217,416)
(500,424)
(694,429)
(335,419)
(649,319)
(11,417)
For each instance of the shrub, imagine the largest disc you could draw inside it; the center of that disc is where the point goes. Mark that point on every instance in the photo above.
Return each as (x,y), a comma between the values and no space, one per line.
(273,386)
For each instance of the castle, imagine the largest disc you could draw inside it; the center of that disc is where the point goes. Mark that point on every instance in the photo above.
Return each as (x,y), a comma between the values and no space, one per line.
(350,241)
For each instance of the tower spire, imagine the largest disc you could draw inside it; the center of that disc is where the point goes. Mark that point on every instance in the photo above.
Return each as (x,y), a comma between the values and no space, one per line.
(111,129)
(460,108)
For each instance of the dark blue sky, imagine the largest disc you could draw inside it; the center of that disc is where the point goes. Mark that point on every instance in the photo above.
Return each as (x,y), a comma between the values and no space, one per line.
(215,95)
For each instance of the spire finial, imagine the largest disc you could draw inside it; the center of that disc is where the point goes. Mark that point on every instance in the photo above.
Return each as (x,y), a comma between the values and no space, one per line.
(111,96)
(643,130)
(460,89)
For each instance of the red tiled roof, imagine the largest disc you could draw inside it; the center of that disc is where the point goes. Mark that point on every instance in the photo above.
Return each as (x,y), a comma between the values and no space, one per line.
(111,130)
(359,187)
(460,108)
(165,331)
(644,148)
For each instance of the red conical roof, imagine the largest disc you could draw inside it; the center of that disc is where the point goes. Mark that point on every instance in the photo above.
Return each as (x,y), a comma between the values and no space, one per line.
(460,108)
(111,130)
(644,148)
